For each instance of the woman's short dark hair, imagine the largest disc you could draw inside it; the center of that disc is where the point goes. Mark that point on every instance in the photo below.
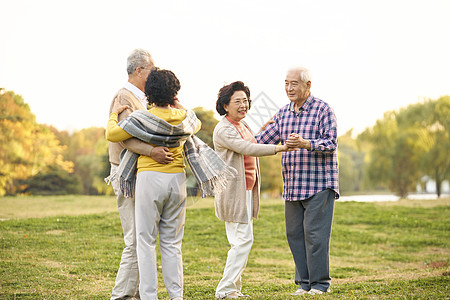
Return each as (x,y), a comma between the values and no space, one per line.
(225,93)
(161,87)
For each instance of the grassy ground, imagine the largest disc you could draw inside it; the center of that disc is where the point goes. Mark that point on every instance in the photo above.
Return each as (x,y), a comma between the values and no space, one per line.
(69,247)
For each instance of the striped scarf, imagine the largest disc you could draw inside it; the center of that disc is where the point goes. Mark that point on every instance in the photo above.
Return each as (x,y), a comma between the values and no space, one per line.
(209,169)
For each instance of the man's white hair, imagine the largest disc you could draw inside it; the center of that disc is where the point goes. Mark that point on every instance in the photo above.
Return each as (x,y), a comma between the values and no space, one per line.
(305,75)
(139,58)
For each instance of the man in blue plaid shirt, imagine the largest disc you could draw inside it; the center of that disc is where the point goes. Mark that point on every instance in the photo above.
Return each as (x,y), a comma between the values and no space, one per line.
(310,177)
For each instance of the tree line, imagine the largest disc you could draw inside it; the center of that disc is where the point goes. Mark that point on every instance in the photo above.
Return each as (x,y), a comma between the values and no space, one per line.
(395,154)
(401,151)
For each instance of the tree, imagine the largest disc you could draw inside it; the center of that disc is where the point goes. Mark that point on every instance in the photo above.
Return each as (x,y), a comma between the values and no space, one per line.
(54,181)
(432,120)
(351,161)
(209,121)
(271,175)
(88,149)
(392,155)
(27,148)
(408,144)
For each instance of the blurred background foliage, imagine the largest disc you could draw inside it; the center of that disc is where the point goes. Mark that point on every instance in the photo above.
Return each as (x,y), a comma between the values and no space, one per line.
(402,151)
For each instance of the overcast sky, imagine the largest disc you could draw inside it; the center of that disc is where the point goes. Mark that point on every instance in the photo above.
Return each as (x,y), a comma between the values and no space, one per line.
(68,58)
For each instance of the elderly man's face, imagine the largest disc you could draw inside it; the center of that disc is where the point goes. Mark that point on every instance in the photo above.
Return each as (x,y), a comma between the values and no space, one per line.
(296,90)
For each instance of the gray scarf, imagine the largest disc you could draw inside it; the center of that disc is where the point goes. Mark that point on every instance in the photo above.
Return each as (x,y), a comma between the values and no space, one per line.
(209,169)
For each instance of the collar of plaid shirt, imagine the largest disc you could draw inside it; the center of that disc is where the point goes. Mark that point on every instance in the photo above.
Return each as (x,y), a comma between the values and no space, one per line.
(305,105)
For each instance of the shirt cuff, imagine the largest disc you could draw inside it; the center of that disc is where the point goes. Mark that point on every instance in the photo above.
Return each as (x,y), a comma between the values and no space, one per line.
(313,145)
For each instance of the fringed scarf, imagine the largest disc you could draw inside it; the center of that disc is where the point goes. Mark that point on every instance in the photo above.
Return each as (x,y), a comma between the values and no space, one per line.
(209,169)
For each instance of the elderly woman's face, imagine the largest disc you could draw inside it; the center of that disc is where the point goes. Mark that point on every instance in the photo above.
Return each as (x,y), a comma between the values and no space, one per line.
(238,107)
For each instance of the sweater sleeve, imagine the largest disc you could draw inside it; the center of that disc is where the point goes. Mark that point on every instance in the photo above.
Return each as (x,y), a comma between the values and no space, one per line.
(113,131)
(229,138)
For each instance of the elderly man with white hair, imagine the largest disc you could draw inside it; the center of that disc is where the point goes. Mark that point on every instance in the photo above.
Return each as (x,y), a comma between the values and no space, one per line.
(139,65)
(310,177)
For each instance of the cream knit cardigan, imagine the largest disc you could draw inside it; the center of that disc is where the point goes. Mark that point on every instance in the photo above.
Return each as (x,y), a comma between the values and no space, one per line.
(230,204)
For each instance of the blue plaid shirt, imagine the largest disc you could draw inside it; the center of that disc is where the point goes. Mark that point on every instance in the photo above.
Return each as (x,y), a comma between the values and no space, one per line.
(306,172)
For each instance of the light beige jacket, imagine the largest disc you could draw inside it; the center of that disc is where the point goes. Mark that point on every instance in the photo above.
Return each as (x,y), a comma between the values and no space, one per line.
(231,147)
(127,98)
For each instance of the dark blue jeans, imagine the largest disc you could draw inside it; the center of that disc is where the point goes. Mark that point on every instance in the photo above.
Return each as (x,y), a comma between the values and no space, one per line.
(308,230)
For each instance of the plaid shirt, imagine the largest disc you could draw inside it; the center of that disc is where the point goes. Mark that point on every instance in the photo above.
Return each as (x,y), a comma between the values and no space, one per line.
(306,172)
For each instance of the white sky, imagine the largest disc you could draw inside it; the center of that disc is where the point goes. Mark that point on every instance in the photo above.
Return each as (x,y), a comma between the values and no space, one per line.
(68,58)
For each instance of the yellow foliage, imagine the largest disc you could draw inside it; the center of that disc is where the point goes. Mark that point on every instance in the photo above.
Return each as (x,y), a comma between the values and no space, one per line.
(26,147)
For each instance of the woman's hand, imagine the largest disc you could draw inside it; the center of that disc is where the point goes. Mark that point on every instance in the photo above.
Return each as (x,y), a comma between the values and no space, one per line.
(118,108)
(284,148)
(296,141)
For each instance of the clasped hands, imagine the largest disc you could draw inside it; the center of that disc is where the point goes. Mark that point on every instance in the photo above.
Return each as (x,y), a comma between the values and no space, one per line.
(296,142)
(293,143)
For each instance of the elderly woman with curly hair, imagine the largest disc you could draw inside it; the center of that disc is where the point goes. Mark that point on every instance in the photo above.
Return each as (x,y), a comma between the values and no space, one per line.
(160,188)
(239,203)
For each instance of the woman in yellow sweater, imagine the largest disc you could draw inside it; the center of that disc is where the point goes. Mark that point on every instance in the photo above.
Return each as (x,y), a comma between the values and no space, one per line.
(160,189)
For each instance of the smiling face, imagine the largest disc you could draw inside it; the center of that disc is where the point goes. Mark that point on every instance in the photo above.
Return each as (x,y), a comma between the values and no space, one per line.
(296,90)
(238,107)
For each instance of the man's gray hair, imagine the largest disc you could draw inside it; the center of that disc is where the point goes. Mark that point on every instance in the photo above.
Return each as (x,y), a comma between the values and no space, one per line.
(139,58)
(305,75)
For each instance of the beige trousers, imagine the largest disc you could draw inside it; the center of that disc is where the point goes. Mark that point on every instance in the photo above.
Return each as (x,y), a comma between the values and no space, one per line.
(127,279)
(240,237)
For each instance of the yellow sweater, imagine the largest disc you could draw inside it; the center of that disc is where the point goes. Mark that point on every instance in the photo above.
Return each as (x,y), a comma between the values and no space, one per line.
(172,116)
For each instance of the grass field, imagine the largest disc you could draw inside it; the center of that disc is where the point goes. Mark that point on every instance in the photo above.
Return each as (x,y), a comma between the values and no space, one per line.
(69,247)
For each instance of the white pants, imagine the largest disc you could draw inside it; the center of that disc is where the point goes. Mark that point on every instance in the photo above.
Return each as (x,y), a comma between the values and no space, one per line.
(160,207)
(127,279)
(240,236)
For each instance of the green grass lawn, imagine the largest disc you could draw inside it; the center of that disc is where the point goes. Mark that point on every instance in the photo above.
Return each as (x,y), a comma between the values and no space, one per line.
(69,247)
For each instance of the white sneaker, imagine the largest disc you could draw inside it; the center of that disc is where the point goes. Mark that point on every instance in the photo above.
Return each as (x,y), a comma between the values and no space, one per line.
(232,295)
(318,292)
(299,292)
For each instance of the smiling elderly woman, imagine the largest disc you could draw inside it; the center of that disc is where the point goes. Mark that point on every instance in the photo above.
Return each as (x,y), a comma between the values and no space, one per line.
(239,202)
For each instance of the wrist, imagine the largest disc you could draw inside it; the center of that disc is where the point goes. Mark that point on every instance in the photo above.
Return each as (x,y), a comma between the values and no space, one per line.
(308,145)
(277,148)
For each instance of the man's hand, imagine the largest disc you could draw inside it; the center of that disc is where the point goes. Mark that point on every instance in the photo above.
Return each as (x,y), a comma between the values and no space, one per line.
(162,155)
(265,125)
(118,108)
(296,141)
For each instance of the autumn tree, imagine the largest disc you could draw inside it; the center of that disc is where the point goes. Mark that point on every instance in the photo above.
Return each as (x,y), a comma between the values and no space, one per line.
(88,149)
(26,147)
